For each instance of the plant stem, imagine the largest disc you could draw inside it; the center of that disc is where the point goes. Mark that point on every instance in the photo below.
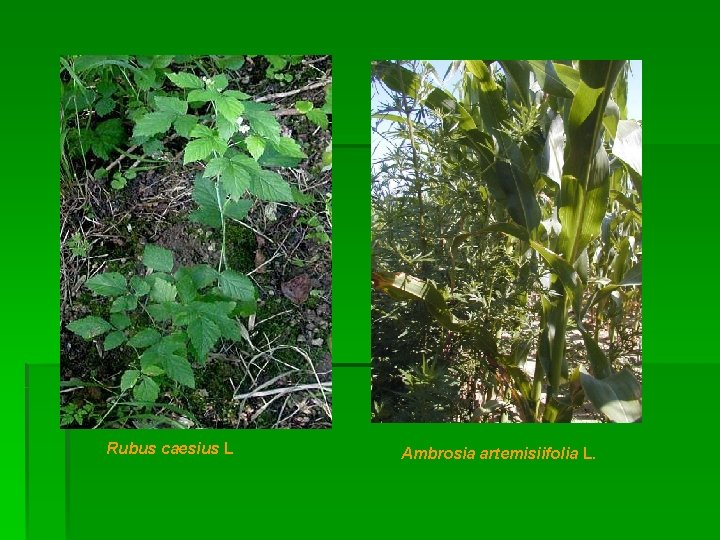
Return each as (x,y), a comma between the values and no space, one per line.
(222,221)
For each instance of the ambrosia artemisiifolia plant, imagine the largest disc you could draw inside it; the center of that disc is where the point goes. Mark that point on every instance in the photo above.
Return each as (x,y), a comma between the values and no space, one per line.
(166,317)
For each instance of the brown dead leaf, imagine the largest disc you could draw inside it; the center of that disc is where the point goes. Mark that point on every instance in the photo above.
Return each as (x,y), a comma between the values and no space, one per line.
(259,260)
(297,289)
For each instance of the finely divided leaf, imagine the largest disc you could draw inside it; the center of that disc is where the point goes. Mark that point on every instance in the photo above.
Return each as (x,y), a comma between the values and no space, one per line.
(89,327)
(108,284)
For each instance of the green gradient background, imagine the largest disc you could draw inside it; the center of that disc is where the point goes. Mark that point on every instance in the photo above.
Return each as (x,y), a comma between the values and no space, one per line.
(350,480)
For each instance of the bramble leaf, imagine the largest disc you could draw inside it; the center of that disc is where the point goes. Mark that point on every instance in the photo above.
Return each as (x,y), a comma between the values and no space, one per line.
(120,320)
(255,145)
(229,107)
(184,124)
(304,106)
(197,150)
(270,186)
(153,123)
(171,104)
(113,340)
(144,338)
(236,285)
(288,147)
(261,121)
(89,327)
(318,117)
(204,334)
(237,209)
(106,137)
(203,275)
(185,80)
(180,370)
(128,379)
(147,391)
(158,258)
(107,284)
(139,285)
(162,291)
(124,303)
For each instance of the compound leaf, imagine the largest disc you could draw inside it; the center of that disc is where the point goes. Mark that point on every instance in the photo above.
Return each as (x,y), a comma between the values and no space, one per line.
(147,391)
(270,186)
(237,286)
(158,258)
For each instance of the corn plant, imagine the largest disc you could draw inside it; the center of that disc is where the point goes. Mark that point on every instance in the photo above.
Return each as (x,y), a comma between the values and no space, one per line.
(551,144)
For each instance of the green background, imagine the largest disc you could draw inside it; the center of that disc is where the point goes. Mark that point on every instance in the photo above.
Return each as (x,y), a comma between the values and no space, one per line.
(350,480)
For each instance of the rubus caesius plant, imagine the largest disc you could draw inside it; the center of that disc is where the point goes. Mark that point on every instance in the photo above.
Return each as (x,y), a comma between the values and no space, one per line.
(171,316)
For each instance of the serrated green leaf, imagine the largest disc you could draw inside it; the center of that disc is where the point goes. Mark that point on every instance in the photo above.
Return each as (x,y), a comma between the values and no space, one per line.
(171,104)
(231,62)
(226,129)
(139,285)
(255,145)
(179,369)
(318,118)
(147,391)
(158,258)
(153,123)
(219,82)
(184,124)
(197,150)
(124,303)
(185,285)
(304,106)
(236,285)
(89,327)
(162,312)
(128,379)
(203,275)
(185,80)
(146,78)
(106,137)
(202,96)
(144,338)
(105,106)
(107,284)
(162,291)
(261,121)
(229,107)
(237,209)
(201,131)
(233,175)
(270,186)
(288,147)
(120,320)
(113,340)
(204,334)
(153,371)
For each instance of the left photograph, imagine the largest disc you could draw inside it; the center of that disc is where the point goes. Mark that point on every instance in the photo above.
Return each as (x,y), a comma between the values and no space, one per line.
(195,242)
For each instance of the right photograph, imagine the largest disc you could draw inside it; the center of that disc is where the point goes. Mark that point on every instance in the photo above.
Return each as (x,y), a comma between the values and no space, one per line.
(506,241)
